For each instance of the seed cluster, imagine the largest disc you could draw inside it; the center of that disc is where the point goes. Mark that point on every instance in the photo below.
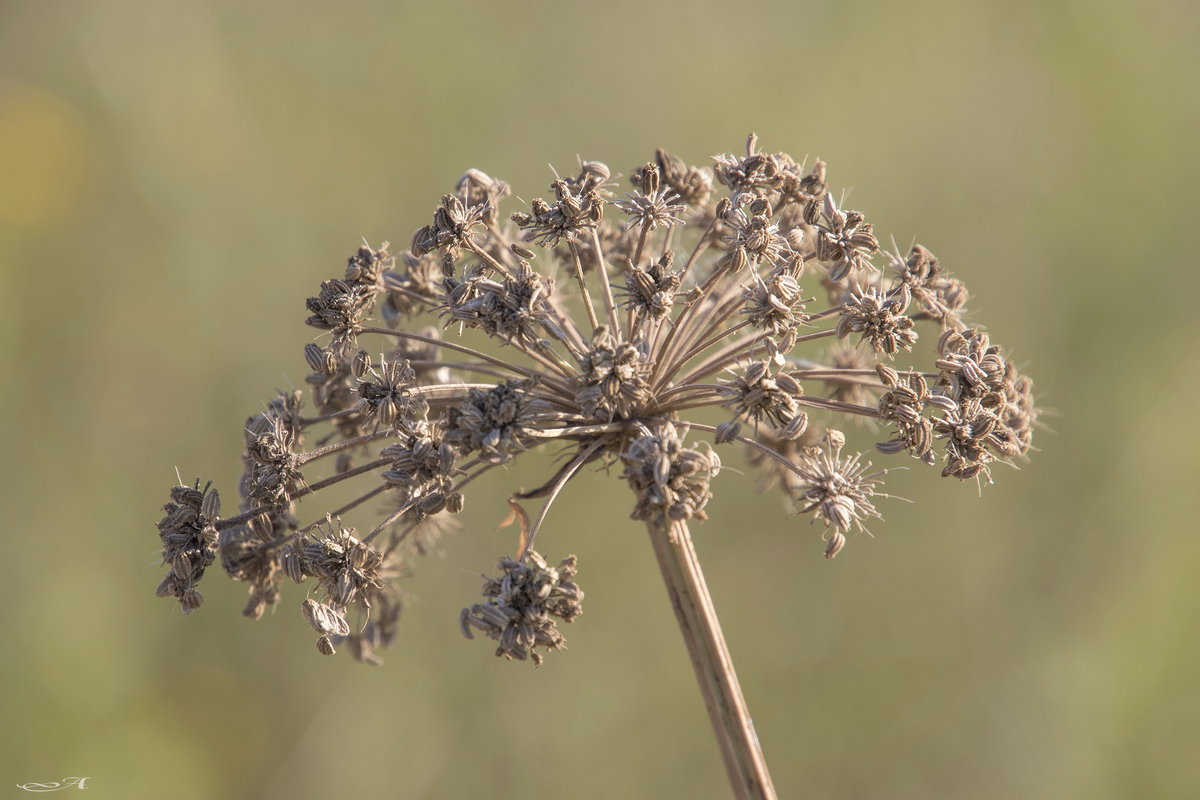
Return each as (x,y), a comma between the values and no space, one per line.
(523,604)
(671,481)
(614,313)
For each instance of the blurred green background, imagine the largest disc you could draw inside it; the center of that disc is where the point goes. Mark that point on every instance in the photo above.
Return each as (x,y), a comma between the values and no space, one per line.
(176,178)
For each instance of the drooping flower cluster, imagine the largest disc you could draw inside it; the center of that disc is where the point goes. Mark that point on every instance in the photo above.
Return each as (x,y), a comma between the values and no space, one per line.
(620,310)
(523,604)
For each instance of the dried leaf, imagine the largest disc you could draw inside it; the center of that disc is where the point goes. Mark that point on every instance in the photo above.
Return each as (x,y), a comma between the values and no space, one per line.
(521,517)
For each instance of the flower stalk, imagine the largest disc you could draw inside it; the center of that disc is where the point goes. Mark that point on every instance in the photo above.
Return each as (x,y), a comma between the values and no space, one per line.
(741,751)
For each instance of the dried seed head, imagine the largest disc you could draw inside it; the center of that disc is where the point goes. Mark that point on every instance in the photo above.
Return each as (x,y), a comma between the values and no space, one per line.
(844,240)
(189,537)
(834,489)
(523,604)
(776,306)
(453,224)
(693,186)
(423,464)
(940,296)
(389,395)
(478,189)
(254,553)
(272,467)
(652,207)
(612,381)
(609,361)
(348,571)
(493,422)
(578,209)
(880,320)
(757,393)
(366,267)
(650,291)
(341,308)
(757,237)
(671,482)
(514,310)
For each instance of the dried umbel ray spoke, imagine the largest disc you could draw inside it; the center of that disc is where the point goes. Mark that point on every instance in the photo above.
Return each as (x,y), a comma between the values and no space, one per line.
(619,312)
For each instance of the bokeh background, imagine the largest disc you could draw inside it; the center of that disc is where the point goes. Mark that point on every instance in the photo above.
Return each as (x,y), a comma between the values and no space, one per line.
(177,177)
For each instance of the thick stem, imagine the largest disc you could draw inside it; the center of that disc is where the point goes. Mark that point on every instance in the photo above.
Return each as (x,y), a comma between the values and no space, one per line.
(697,618)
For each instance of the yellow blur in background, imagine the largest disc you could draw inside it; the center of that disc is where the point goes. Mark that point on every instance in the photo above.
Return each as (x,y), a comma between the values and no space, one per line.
(176,179)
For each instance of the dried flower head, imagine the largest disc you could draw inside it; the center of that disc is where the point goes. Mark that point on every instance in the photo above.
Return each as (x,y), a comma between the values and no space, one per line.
(671,481)
(523,604)
(880,320)
(614,315)
(836,490)
(189,536)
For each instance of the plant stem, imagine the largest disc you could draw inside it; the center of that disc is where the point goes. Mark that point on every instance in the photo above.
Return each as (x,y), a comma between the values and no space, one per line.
(697,618)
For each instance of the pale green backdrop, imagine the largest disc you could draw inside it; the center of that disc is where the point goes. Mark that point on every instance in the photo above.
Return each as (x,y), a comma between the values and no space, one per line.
(176,178)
